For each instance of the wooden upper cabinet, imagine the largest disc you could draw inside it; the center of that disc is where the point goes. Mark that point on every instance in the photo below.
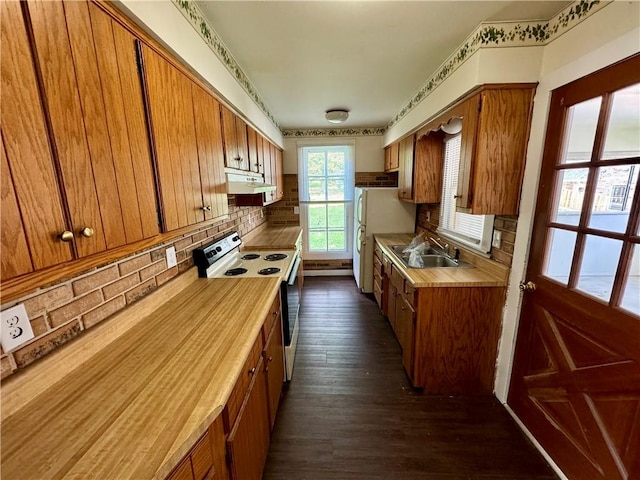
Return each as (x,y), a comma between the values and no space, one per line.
(234,130)
(188,148)
(254,144)
(495,133)
(32,206)
(279,175)
(210,153)
(405,172)
(427,168)
(392,157)
(88,69)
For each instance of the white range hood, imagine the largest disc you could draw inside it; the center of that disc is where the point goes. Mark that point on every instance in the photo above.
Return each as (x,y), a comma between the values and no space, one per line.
(247,184)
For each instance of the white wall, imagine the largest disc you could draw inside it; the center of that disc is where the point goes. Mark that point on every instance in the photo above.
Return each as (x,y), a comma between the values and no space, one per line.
(164,21)
(608,36)
(368,151)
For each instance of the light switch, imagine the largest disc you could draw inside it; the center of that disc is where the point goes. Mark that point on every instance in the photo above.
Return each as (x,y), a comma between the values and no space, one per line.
(16,328)
(296,210)
(172,261)
(497,238)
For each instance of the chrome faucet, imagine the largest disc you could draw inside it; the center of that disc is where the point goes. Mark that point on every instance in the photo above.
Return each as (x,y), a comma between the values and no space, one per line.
(445,250)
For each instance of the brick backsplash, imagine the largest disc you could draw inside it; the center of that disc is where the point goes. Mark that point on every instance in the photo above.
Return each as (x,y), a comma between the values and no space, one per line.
(281,213)
(62,312)
(506,224)
(376,179)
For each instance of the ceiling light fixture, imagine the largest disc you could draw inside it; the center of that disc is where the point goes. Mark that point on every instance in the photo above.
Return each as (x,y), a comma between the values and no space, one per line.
(336,116)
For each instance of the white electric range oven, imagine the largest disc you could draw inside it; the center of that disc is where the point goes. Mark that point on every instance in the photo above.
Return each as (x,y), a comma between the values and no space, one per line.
(223,259)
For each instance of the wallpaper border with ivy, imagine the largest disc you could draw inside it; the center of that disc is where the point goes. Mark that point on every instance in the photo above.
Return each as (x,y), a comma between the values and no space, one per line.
(503,34)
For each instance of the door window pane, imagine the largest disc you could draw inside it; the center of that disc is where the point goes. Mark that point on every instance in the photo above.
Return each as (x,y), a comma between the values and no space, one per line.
(582,120)
(571,186)
(561,244)
(336,215)
(615,187)
(623,131)
(599,264)
(631,292)
(318,241)
(317,216)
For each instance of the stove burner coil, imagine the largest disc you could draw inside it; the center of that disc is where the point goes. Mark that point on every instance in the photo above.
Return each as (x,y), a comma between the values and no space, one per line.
(268,271)
(275,257)
(250,256)
(235,271)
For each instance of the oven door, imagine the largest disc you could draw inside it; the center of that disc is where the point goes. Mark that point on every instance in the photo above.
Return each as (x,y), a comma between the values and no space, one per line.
(290,303)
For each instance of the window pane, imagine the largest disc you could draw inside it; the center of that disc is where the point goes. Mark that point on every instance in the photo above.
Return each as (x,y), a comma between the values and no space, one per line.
(337,240)
(318,241)
(317,189)
(571,184)
(315,164)
(599,264)
(336,163)
(336,215)
(317,216)
(561,244)
(335,188)
(623,131)
(631,293)
(582,120)
(615,188)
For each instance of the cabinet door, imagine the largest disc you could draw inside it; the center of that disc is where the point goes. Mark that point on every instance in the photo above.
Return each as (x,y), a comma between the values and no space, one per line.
(210,153)
(269,171)
(32,210)
(242,144)
(394,157)
(252,145)
(279,175)
(405,331)
(405,175)
(260,153)
(87,66)
(427,187)
(274,367)
(173,127)
(248,441)
(231,155)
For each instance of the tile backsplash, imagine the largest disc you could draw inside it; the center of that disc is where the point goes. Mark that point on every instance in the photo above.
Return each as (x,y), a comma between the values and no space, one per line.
(61,312)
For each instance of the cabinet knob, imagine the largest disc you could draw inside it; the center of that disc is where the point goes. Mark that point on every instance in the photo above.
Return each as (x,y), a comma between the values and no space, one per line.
(275,314)
(206,208)
(66,236)
(270,359)
(87,232)
(252,371)
(457,196)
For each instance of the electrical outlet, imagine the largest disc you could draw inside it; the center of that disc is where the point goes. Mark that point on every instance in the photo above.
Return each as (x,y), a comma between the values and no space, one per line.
(16,328)
(428,216)
(172,261)
(497,238)
(296,210)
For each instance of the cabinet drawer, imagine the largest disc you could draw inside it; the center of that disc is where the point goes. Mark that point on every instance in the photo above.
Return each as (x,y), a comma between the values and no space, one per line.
(272,317)
(377,290)
(409,294)
(386,265)
(242,384)
(377,266)
(377,251)
(397,279)
(201,458)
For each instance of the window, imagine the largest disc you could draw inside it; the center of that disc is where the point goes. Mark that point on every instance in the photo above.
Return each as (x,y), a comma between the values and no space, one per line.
(473,231)
(326,184)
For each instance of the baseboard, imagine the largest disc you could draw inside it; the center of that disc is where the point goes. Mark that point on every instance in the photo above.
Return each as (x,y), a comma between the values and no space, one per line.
(536,444)
(328,273)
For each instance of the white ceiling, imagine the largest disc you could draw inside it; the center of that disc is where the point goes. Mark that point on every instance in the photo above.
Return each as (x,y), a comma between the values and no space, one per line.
(369,57)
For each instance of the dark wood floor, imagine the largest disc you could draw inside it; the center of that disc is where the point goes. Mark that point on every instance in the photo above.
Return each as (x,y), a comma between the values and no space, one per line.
(349,412)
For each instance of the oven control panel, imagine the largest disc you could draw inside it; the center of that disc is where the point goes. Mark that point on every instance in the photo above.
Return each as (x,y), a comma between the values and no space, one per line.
(207,255)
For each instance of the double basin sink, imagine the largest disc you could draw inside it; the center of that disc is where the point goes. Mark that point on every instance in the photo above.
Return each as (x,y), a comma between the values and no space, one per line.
(431,258)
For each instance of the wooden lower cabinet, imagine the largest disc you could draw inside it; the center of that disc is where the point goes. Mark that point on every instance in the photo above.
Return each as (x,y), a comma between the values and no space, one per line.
(274,368)
(206,460)
(248,442)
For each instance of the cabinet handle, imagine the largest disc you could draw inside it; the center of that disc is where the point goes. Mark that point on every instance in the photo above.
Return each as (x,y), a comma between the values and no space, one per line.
(270,359)
(457,196)
(206,208)
(252,371)
(276,313)
(87,232)
(66,236)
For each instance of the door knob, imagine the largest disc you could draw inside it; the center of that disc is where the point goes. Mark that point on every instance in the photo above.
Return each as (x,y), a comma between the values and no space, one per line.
(527,286)
(87,232)
(66,236)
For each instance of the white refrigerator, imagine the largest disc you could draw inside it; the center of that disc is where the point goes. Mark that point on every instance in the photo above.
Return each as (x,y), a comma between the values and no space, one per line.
(377,210)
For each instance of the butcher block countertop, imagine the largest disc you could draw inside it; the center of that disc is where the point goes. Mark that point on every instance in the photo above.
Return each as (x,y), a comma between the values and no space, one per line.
(272,238)
(131,406)
(486,273)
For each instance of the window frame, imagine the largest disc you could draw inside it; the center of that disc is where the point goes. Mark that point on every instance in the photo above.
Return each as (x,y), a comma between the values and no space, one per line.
(449,189)
(305,203)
